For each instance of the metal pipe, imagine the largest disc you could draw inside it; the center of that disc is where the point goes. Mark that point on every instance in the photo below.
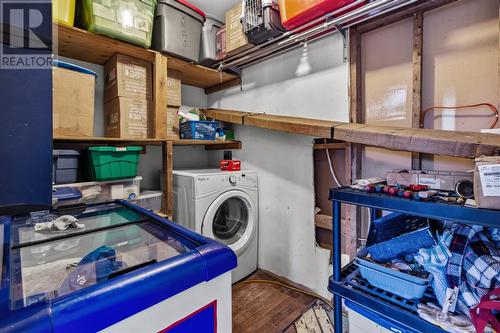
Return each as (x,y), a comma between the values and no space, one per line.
(318,32)
(327,28)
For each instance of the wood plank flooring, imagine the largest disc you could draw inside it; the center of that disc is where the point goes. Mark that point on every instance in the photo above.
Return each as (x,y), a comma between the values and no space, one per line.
(267,308)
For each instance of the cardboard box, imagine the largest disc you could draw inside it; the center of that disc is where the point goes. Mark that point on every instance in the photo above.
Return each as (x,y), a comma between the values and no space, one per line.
(72,103)
(128,118)
(236,40)
(487,182)
(438,180)
(172,123)
(126,76)
(174,86)
(220,41)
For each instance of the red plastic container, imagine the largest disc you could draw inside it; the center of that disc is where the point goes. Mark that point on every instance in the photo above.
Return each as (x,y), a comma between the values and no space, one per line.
(230,165)
(295,13)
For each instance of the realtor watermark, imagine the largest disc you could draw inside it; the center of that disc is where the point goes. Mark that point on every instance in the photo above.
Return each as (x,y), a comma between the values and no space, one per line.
(26,39)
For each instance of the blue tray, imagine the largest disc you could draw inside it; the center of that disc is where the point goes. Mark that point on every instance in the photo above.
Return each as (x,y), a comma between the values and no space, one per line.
(404,285)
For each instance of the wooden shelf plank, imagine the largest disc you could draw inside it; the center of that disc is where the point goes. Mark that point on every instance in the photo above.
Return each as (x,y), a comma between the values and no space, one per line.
(429,141)
(296,125)
(86,46)
(202,77)
(209,144)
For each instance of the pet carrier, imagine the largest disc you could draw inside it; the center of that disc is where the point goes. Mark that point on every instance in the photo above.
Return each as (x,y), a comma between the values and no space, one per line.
(261,20)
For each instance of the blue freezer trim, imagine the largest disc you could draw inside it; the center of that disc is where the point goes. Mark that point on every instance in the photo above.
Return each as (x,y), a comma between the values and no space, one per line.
(99,306)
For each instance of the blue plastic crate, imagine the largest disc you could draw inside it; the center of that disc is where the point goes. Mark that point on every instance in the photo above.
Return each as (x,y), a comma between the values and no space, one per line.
(199,130)
(398,283)
(396,235)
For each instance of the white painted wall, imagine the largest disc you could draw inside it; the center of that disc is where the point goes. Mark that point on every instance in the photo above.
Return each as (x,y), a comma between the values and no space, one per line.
(283,161)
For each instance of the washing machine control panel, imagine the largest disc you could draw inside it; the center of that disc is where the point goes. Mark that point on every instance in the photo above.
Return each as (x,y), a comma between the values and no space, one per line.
(215,182)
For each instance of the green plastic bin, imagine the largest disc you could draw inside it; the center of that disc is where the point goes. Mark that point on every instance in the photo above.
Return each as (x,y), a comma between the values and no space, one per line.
(128,20)
(108,163)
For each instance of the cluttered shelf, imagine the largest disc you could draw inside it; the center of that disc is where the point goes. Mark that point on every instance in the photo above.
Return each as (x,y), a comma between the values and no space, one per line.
(398,276)
(430,209)
(90,47)
(354,288)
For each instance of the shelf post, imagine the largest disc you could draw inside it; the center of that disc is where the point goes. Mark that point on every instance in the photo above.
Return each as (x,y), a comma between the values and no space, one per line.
(337,263)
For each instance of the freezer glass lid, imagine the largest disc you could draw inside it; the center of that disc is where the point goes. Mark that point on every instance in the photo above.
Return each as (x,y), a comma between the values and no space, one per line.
(109,246)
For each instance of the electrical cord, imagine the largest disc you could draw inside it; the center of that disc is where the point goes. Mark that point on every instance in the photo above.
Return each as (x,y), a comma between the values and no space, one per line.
(305,292)
(491,106)
(332,172)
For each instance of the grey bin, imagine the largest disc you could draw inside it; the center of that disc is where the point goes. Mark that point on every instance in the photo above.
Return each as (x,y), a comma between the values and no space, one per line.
(177,29)
(208,48)
(64,166)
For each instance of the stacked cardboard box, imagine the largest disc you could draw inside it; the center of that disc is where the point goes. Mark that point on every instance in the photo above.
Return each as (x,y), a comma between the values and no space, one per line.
(128,105)
(73,102)
(236,40)
(174,102)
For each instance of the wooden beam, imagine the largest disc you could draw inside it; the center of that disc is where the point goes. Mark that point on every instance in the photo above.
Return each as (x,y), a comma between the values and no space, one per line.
(160,98)
(331,145)
(429,141)
(418,41)
(168,179)
(354,152)
(222,86)
(404,13)
(230,145)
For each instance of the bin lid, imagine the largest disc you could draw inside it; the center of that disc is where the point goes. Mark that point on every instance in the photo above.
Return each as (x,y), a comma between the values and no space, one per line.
(65,152)
(115,149)
(73,67)
(187,8)
(193,7)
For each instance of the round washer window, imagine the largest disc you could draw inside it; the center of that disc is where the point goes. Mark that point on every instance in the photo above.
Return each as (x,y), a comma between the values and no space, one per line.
(230,221)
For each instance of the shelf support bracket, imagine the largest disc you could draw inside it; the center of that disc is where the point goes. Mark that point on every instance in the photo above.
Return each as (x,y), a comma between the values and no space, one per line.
(345,36)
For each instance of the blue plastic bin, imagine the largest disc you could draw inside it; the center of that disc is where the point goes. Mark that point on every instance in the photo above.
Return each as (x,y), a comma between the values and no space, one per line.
(398,283)
(396,235)
(199,130)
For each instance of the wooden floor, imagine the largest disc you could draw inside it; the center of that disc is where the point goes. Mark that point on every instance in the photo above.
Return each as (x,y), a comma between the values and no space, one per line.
(267,308)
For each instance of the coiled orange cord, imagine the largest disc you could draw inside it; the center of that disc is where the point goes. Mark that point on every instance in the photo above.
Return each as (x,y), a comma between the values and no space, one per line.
(491,106)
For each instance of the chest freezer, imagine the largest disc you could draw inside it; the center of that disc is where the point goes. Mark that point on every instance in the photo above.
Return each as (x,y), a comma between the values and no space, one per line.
(124,269)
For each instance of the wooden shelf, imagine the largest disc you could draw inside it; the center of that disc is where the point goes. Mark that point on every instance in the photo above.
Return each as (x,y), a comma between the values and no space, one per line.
(209,144)
(429,141)
(86,46)
(295,125)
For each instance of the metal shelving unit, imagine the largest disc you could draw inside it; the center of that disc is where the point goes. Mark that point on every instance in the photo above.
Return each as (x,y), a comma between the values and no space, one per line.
(348,284)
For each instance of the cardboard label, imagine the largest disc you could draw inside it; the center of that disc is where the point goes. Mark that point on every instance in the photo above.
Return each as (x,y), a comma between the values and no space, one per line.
(432,182)
(490,179)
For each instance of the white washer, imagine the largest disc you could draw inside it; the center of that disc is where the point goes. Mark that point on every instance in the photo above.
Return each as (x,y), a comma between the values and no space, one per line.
(221,205)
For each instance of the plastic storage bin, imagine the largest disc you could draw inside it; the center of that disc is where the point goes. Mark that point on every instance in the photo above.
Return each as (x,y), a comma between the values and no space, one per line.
(199,130)
(261,20)
(63,11)
(363,320)
(295,13)
(64,166)
(177,29)
(396,235)
(401,284)
(96,192)
(108,163)
(208,48)
(150,200)
(128,20)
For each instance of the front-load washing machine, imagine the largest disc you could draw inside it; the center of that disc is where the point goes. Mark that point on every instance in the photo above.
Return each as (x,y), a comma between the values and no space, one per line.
(221,205)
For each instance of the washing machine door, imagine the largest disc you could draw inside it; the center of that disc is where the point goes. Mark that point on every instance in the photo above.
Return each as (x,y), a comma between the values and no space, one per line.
(231,219)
